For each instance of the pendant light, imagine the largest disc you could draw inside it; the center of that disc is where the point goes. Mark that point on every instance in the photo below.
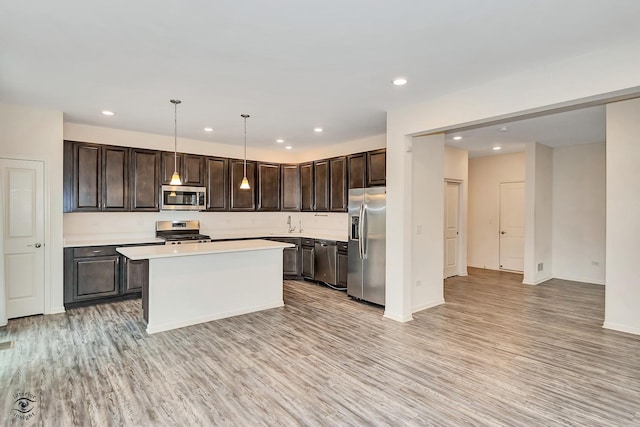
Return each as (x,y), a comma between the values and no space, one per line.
(245,182)
(175,178)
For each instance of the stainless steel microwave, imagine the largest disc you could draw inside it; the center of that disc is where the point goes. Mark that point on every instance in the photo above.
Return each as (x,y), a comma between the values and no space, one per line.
(180,198)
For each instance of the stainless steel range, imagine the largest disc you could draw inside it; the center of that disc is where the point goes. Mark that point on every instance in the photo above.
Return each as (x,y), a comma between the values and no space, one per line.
(179,232)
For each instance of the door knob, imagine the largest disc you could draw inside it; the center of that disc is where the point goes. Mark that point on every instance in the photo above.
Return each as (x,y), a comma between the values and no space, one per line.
(38,245)
(503,232)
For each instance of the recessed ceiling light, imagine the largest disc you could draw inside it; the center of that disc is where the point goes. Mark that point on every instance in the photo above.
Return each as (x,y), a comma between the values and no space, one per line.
(318,130)
(497,148)
(208,129)
(108,113)
(400,81)
(279,141)
(457,138)
(288,147)
(504,129)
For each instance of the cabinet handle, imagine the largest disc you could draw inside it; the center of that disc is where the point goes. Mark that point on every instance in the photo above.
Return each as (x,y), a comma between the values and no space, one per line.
(96,252)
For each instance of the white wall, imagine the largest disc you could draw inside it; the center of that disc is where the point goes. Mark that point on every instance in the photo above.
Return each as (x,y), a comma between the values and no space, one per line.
(427,263)
(579,213)
(593,76)
(355,146)
(126,138)
(485,176)
(538,213)
(218,225)
(35,134)
(622,301)
(102,135)
(456,168)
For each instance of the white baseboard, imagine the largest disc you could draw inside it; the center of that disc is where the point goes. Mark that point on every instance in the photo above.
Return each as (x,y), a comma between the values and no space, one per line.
(580,279)
(427,305)
(56,310)
(537,282)
(482,267)
(621,328)
(397,317)
(152,329)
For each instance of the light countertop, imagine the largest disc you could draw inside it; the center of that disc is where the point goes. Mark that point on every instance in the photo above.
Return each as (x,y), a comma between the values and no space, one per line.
(170,251)
(75,241)
(258,235)
(108,240)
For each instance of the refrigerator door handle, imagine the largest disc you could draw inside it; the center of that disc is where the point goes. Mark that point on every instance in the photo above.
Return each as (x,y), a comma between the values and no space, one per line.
(360,245)
(364,236)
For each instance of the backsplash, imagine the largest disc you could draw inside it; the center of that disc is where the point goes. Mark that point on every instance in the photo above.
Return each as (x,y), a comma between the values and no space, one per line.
(215,224)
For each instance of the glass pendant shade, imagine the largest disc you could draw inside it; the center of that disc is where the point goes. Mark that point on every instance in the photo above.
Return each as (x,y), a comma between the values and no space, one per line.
(175,179)
(244,185)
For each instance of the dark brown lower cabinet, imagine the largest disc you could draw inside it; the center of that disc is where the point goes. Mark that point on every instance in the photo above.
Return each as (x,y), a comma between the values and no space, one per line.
(291,257)
(308,258)
(342,264)
(95,274)
(96,277)
(91,273)
(135,275)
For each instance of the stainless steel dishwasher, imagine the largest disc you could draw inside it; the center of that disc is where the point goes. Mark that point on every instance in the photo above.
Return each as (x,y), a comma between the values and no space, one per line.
(325,261)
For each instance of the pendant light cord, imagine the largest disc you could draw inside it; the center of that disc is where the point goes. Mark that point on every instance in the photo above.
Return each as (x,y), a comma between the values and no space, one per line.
(175,137)
(245,116)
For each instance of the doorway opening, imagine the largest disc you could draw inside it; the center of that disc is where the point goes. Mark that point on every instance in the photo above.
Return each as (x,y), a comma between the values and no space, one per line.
(452,195)
(512,218)
(22,193)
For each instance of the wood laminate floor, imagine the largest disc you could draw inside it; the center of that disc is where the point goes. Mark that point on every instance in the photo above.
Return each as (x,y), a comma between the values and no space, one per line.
(497,353)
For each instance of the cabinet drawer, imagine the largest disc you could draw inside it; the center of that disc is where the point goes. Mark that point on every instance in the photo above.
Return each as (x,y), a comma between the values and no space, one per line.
(93,251)
(342,246)
(308,242)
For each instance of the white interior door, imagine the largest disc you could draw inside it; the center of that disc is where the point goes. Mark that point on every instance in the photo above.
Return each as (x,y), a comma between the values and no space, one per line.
(512,226)
(451,227)
(23,236)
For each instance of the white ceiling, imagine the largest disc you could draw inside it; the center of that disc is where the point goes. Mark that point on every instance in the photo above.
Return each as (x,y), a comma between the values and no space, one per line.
(293,65)
(584,126)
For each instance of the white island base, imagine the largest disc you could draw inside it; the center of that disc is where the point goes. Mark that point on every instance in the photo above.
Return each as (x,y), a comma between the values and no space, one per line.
(199,282)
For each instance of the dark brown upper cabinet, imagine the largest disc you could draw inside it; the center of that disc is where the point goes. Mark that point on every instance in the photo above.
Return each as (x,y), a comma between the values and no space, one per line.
(95,177)
(306,187)
(242,200)
(167,168)
(190,167)
(115,178)
(268,187)
(144,179)
(86,177)
(290,190)
(357,166)
(217,182)
(377,167)
(338,184)
(321,185)
(192,172)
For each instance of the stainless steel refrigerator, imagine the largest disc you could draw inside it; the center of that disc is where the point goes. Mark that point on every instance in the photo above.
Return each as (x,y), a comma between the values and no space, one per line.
(367,244)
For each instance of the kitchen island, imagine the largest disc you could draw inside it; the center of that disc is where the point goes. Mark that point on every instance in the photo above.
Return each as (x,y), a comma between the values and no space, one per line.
(199,282)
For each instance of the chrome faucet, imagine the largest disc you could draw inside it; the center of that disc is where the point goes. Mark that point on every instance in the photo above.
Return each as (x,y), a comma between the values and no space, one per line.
(291,229)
